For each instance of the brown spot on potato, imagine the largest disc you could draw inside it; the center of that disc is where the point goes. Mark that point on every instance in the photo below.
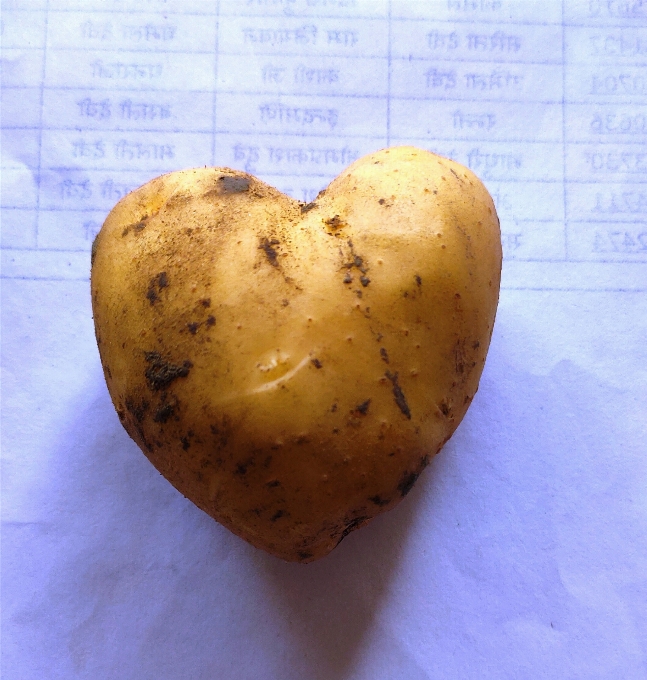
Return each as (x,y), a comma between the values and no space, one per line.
(160,374)
(277,515)
(206,302)
(407,482)
(233,185)
(185,443)
(316,363)
(381,502)
(211,321)
(307,207)
(139,430)
(363,407)
(364,280)
(160,281)
(384,355)
(459,357)
(398,394)
(136,227)
(334,223)
(418,280)
(163,413)
(193,327)
(222,434)
(460,179)
(357,261)
(267,247)
(137,410)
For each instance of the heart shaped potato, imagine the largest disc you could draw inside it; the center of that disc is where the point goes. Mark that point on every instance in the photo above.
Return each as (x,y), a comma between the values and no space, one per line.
(292,368)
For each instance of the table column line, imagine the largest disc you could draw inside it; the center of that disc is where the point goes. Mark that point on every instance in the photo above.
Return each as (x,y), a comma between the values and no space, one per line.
(564,196)
(388,77)
(215,88)
(40,123)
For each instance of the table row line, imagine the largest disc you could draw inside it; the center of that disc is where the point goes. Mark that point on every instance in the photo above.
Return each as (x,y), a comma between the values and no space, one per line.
(327,76)
(84,109)
(73,267)
(333,37)
(547,240)
(251,115)
(482,11)
(155,152)
(66,189)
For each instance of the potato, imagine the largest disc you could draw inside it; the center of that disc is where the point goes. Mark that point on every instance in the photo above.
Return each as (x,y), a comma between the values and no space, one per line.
(293,368)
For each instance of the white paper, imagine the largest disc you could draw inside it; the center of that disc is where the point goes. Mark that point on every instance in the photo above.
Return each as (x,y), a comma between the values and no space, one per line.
(522,551)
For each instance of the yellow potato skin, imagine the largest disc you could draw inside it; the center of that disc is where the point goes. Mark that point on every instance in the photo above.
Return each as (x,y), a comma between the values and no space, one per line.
(292,368)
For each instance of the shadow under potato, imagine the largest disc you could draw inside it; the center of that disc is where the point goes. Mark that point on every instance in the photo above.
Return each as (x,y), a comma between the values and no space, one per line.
(329,605)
